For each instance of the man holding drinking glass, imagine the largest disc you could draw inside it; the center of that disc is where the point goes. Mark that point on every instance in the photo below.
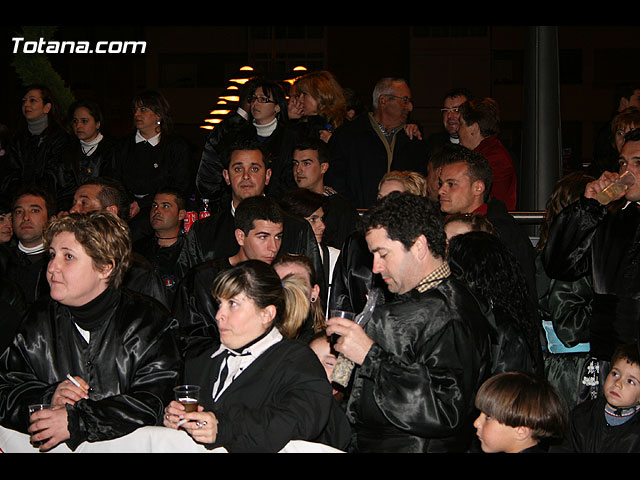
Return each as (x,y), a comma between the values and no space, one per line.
(414,386)
(589,238)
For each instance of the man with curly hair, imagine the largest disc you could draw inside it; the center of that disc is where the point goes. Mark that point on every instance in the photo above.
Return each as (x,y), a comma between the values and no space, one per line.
(421,358)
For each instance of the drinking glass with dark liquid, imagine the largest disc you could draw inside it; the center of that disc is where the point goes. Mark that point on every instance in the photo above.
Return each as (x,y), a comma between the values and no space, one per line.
(188,396)
(36,408)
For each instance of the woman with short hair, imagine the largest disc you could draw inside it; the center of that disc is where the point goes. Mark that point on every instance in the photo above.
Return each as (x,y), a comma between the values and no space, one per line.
(118,347)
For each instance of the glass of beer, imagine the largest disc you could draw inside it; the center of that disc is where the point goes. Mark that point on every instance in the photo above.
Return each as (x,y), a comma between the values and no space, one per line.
(615,188)
(188,396)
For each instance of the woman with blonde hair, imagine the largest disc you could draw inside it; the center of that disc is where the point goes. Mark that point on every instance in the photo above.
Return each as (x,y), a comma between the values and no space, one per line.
(301,266)
(402,181)
(324,107)
(259,386)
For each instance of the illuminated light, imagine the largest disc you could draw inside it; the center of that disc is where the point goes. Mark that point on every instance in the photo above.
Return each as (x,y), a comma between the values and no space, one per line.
(230,96)
(299,68)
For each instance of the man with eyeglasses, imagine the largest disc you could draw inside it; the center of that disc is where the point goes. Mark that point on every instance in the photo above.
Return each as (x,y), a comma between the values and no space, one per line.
(366,148)
(450,119)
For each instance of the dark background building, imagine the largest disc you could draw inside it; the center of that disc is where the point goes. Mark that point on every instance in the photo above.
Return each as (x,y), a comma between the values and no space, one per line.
(191,65)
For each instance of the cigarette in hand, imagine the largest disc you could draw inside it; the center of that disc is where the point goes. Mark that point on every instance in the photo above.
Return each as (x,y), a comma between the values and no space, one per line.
(75,382)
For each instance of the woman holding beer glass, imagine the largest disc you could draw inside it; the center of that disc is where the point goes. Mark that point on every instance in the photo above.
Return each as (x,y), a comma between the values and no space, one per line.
(105,359)
(258,390)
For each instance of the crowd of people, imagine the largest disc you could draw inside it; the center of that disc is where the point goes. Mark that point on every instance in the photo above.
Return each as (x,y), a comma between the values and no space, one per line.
(346,281)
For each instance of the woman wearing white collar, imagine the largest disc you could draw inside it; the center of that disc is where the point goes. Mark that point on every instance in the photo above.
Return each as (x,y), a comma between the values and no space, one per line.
(269,117)
(260,390)
(89,155)
(152,157)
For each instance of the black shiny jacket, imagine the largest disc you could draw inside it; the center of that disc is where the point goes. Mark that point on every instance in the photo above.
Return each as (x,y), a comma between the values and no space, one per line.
(415,390)
(588,239)
(33,159)
(131,363)
(75,168)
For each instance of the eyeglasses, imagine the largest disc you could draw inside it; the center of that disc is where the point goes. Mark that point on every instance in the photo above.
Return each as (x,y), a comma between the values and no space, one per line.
(450,110)
(405,100)
(254,98)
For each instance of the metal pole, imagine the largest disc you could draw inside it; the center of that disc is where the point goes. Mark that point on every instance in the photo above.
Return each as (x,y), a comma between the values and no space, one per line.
(541,132)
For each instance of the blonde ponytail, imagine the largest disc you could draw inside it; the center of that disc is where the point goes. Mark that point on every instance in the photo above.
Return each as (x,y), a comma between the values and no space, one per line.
(296,308)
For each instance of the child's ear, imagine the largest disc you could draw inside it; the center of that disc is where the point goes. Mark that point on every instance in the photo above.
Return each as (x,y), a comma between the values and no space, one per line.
(523,433)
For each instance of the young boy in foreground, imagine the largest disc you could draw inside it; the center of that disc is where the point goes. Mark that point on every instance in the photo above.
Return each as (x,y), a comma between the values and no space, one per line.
(610,424)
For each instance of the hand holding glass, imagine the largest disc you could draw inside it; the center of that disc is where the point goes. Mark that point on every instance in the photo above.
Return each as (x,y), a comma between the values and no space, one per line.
(188,396)
(339,314)
(36,408)
(615,188)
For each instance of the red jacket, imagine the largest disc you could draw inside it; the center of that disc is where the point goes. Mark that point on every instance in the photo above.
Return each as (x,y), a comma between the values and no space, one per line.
(504,173)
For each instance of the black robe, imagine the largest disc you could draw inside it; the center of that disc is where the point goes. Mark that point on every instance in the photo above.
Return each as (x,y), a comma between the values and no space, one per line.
(164,261)
(76,168)
(193,305)
(131,362)
(283,395)
(28,272)
(352,276)
(143,169)
(360,158)
(515,238)
(588,239)
(589,432)
(33,160)
(340,218)
(214,237)
(415,390)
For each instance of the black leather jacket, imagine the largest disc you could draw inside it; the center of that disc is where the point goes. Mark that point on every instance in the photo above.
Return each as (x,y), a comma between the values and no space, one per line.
(415,390)
(352,276)
(33,159)
(76,168)
(588,239)
(213,237)
(131,362)
(589,432)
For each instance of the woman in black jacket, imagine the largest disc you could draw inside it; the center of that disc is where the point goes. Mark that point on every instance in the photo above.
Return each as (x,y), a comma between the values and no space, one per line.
(485,264)
(118,347)
(151,158)
(89,154)
(261,390)
(36,150)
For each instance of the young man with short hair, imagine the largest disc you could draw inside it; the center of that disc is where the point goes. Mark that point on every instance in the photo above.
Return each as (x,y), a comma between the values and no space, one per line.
(162,249)
(310,163)
(32,208)
(259,232)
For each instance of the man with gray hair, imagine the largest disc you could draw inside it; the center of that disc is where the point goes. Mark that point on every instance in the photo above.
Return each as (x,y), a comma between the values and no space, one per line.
(363,150)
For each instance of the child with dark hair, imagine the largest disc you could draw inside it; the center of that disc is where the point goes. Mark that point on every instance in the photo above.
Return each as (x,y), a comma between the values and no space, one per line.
(519,413)
(610,424)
